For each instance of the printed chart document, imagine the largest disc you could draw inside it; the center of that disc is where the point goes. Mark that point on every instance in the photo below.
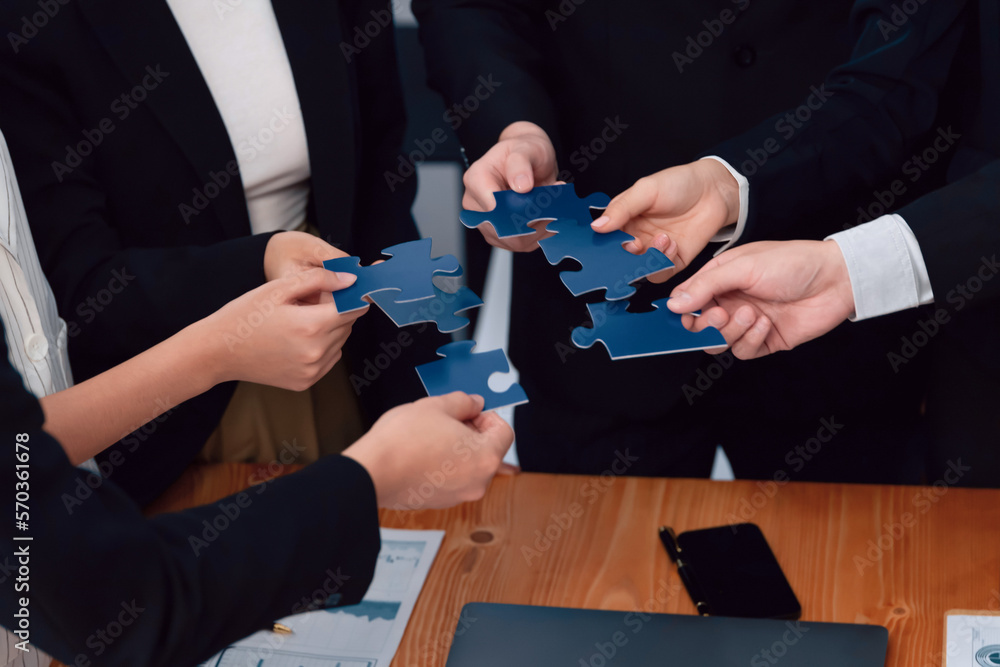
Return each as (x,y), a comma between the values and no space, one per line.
(363,635)
(972,638)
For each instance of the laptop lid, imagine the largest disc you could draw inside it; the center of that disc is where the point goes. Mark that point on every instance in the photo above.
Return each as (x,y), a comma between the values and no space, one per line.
(495,635)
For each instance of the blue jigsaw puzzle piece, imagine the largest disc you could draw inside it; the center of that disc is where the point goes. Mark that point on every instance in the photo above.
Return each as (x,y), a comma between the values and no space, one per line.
(461,370)
(514,210)
(629,335)
(407,273)
(605,263)
(442,308)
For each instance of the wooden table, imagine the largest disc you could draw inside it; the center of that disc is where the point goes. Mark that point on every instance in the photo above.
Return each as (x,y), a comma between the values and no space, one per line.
(895,556)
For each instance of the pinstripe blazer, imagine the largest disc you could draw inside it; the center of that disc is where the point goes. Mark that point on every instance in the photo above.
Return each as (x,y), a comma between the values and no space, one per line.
(13,657)
(36,335)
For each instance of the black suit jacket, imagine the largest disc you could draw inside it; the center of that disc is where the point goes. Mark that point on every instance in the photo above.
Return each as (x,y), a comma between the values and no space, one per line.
(132,190)
(958,227)
(110,587)
(626,89)
(928,89)
(932,78)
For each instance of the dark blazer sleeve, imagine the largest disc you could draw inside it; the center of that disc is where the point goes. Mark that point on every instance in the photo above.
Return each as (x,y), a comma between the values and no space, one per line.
(958,228)
(177,587)
(859,125)
(492,46)
(156,290)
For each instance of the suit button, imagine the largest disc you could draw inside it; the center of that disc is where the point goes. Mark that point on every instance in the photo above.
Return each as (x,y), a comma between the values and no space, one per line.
(36,347)
(744,56)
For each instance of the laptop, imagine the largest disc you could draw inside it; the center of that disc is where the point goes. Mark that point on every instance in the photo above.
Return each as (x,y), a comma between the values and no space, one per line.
(495,635)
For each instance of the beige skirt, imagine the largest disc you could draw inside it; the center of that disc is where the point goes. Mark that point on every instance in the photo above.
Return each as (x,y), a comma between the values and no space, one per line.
(264,424)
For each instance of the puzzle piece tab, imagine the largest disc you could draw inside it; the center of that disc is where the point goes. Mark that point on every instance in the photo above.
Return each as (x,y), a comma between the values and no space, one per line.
(408,274)
(442,308)
(461,370)
(628,335)
(513,210)
(605,263)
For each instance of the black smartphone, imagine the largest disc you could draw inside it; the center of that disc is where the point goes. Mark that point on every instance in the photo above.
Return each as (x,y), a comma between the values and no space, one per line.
(731,571)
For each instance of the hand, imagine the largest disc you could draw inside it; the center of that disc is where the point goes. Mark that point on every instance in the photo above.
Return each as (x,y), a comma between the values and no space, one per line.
(288,253)
(678,209)
(769,296)
(434,453)
(522,158)
(286,333)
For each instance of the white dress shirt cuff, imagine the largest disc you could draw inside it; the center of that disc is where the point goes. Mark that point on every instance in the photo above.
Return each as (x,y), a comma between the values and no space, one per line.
(886,267)
(731,233)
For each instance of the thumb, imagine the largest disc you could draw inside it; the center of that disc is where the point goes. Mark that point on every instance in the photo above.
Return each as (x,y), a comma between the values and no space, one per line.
(519,172)
(712,280)
(461,406)
(630,204)
(491,425)
(311,281)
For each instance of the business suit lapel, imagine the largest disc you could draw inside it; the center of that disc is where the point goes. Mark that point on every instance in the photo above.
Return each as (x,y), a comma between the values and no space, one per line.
(327,94)
(143,36)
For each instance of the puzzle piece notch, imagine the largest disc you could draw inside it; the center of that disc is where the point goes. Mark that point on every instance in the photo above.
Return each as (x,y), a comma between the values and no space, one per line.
(463,370)
(604,263)
(442,308)
(630,335)
(514,211)
(407,273)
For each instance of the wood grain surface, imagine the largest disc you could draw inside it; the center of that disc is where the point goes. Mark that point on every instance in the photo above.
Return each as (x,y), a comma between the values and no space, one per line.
(896,556)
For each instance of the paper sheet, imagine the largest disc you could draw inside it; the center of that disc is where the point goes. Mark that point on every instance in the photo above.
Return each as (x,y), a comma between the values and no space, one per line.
(363,635)
(973,639)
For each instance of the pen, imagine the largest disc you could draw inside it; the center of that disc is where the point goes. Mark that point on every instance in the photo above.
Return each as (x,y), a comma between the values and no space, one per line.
(669,539)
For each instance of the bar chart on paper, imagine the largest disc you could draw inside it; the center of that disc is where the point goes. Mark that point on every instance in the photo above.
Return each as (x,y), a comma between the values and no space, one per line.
(363,635)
